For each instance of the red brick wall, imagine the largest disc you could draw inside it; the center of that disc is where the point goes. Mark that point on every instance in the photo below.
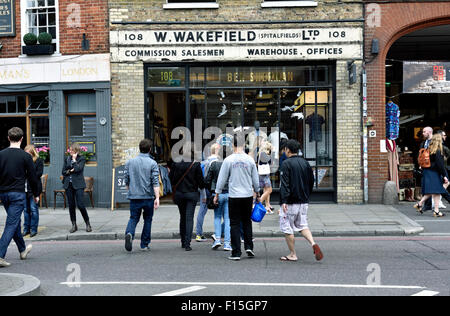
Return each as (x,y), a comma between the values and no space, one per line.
(93,22)
(11,45)
(397,19)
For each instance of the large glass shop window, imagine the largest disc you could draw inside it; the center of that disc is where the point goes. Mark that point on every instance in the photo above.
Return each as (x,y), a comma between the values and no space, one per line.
(289,102)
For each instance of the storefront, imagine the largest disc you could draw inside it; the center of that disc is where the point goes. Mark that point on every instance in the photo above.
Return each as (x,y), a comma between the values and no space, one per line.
(294,83)
(289,101)
(407,65)
(57,101)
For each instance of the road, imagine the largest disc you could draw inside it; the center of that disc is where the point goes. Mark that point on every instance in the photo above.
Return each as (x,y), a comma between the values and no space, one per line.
(352,266)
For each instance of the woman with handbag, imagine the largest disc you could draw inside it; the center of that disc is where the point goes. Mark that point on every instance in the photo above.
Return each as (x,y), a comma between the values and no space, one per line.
(435,178)
(186,179)
(31,213)
(263,164)
(74,185)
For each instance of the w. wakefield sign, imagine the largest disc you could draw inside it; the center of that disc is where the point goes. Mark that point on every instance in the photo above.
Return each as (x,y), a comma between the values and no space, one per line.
(208,45)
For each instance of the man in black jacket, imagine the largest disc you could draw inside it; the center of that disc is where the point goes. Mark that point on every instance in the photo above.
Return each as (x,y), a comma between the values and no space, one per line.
(297,182)
(16,166)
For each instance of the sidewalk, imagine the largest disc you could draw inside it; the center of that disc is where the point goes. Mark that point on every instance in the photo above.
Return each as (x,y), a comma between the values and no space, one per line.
(326,220)
(19,285)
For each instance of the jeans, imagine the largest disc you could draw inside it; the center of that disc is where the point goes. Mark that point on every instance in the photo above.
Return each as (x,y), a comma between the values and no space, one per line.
(31,216)
(222,212)
(240,212)
(138,207)
(14,203)
(76,196)
(201,213)
(186,203)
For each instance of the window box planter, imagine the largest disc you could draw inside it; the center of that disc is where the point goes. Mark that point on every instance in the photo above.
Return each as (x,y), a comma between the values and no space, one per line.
(38,49)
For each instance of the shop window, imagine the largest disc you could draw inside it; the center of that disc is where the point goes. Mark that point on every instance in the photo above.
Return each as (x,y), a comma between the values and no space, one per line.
(39,16)
(186,4)
(288,3)
(29,112)
(82,123)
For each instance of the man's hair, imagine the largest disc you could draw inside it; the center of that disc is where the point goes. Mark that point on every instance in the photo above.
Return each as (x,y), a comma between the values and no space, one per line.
(238,140)
(293,146)
(15,134)
(145,145)
(440,132)
(215,148)
(283,143)
(76,147)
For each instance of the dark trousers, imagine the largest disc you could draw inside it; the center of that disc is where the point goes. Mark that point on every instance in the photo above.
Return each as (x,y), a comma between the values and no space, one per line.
(14,203)
(240,210)
(75,198)
(146,208)
(186,202)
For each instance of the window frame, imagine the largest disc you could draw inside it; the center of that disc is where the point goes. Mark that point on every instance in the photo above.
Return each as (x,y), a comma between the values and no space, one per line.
(288,3)
(79,114)
(24,16)
(191,5)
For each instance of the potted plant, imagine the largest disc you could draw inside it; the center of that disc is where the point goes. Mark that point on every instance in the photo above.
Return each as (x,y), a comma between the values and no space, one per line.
(44,47)
(44,153)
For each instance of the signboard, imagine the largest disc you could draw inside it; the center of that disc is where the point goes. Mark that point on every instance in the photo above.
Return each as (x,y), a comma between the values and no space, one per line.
(119,189)
(234,45)
(84,68)
(426,77)
(7,18)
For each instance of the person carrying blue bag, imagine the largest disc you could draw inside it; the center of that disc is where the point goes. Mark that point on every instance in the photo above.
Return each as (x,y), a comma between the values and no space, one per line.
(240,171)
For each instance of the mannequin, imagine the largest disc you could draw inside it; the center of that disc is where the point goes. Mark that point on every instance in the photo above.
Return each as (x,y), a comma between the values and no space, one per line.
(275,137)
(392,120)
(252,137)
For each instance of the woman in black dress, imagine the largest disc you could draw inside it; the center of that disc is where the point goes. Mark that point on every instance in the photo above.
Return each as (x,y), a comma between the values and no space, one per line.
(434,177)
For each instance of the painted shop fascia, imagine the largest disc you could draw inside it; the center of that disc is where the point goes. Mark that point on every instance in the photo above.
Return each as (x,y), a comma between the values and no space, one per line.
(136,48)
(57,80)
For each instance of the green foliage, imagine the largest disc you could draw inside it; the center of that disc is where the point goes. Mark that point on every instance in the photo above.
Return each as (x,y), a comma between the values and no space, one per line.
(45,39)
(30,39)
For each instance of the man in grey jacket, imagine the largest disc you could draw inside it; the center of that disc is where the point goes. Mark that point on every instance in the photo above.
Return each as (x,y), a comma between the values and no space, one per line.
(142,180)
(240,171)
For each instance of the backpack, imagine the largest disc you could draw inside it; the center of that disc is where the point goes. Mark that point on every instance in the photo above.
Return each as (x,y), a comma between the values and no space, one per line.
(424,158)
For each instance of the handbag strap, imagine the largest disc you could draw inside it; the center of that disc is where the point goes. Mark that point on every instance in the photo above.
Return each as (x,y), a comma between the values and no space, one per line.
(182,178)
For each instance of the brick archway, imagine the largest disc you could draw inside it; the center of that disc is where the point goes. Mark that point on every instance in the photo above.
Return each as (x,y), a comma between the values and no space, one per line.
(397,20)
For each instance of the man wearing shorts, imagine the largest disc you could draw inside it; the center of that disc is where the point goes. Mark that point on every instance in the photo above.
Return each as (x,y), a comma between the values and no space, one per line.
(297,182)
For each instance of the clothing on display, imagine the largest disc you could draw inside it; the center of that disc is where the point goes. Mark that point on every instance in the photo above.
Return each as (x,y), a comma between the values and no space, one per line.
(274,139)
(392,120)
(251,139)
(315,122)
(167,186)
(393,161)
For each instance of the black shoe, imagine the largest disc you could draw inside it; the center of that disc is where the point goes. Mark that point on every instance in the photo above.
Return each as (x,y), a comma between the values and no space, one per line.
(74,228)
(188,248)
(250,253)
(129,242)
(25,233)
(32,235)
(88,227)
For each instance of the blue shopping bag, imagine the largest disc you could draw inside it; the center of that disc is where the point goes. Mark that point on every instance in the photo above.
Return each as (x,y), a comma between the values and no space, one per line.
(259,211)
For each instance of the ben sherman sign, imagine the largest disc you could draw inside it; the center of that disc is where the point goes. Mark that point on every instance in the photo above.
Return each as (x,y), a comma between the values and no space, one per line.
(209,45)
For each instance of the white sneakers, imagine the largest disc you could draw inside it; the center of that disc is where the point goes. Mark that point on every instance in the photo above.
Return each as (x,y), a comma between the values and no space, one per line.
(3,263)
(24,254)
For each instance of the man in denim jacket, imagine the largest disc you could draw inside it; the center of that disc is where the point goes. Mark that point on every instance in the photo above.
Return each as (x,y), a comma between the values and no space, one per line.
(142,180)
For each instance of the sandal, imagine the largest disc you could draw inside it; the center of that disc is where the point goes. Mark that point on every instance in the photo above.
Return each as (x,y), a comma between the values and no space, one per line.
(439,214)
(286,258)
(418,208)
